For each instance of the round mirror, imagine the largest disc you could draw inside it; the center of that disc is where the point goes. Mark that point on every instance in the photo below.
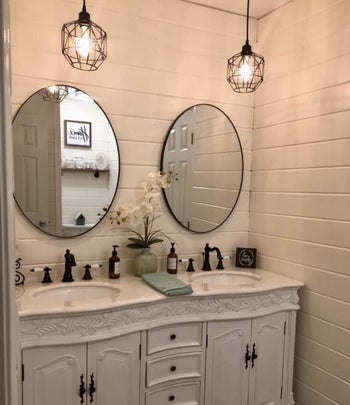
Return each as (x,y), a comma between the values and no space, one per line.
(66,161)
(203,148)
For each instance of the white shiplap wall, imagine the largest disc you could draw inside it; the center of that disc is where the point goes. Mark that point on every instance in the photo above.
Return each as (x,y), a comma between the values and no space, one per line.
(300,195)
(163,56)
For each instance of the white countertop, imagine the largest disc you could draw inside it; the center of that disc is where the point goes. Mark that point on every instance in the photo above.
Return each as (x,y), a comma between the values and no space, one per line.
(133,292)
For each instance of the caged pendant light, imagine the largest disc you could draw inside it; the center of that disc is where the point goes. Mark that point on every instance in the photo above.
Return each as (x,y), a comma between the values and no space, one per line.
(84,43)
(245,70)
(54,94)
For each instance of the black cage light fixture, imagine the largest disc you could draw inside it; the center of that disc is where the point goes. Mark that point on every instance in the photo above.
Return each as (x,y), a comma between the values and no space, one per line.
(84,43)
(54,94)
(245,70)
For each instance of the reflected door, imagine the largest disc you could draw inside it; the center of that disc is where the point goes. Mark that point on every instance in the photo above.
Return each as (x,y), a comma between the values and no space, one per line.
(35,168)
(179,160)
(202,146)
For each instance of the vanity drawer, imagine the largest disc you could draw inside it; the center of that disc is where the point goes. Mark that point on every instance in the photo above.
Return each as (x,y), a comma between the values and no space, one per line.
(174,336)
(186,365)
(188,394)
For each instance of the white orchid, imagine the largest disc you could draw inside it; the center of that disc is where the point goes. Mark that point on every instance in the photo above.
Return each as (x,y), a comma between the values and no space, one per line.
(143,212)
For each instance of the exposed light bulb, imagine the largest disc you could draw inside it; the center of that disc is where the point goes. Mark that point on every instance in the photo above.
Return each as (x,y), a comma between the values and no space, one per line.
(52,89)
(54,93)
(83,43)
(245,71)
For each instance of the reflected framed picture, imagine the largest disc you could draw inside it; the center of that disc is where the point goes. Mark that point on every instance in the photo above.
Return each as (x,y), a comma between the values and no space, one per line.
(77,133)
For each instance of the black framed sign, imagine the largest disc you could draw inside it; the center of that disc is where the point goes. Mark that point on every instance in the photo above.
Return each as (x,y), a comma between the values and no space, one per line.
(246,257)
(77,133)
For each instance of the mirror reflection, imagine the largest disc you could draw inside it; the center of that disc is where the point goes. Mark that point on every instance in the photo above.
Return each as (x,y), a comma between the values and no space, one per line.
(66,161)
(203,147)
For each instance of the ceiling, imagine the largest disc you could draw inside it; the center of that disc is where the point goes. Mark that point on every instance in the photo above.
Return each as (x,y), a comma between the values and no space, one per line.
(258,8)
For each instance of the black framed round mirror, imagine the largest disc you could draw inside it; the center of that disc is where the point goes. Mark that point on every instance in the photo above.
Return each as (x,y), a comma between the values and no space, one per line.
(203,148)
(66,161)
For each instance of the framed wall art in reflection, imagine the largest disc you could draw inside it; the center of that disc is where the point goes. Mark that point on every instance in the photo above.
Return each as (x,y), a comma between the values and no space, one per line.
(77,133)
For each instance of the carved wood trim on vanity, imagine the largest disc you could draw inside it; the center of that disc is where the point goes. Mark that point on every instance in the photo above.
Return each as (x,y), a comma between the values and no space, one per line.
(89,326)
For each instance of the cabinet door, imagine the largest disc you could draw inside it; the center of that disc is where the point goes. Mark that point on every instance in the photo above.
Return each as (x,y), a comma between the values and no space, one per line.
(226,375)
(266,371)
(52,374)
(114,369)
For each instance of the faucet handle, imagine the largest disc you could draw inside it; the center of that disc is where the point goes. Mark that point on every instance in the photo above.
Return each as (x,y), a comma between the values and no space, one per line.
(190,263)
(220,265)
(87,275)
(46,279)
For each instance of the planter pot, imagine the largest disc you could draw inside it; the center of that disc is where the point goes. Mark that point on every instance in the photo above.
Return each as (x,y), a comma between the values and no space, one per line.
(145,262)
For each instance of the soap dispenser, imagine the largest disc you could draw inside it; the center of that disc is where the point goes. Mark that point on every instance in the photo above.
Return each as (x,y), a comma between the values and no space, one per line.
(114,264)
(172,260)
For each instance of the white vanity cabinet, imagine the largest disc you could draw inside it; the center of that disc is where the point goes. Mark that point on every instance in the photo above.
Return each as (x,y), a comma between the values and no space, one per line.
(173,362)
(245,361)
(208,348)
(105,372)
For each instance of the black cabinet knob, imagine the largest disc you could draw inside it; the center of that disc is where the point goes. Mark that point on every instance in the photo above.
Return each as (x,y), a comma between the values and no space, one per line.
(173,336)
(171,398)
(173,368)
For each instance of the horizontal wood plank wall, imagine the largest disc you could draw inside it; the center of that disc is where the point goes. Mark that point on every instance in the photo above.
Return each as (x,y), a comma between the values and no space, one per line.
(214,191)
(300,188)
(163,57)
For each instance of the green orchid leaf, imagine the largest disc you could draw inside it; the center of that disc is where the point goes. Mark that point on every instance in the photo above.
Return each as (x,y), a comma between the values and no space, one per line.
(140,241)
(154,240)
(135,246)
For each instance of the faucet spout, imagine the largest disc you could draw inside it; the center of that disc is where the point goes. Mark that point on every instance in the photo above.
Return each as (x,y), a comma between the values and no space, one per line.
(206,256)
(69,263)
(220,258)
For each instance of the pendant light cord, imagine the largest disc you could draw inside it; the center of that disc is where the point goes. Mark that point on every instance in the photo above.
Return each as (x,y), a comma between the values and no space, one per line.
(84,7)
(247,27)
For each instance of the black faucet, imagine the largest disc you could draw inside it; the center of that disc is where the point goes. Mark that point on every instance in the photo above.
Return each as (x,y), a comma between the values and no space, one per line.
(206,255)
(69,263)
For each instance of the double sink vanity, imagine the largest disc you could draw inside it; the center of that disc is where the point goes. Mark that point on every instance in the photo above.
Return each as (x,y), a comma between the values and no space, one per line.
(121,342)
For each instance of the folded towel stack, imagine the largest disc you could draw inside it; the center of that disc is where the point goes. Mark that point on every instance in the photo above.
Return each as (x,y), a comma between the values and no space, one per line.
(167,284)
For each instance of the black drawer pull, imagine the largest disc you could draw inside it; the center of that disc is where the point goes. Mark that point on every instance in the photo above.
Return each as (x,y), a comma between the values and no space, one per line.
(173,368)
(172,397)
(92,388)
(254,355)
(173,336)
(82,390)
(247,357)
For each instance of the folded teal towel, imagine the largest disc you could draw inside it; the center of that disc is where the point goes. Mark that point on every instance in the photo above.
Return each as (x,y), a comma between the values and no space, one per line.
(167,284)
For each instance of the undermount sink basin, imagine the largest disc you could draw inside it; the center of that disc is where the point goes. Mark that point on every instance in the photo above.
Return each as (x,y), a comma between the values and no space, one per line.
(224,280)
(75,294)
